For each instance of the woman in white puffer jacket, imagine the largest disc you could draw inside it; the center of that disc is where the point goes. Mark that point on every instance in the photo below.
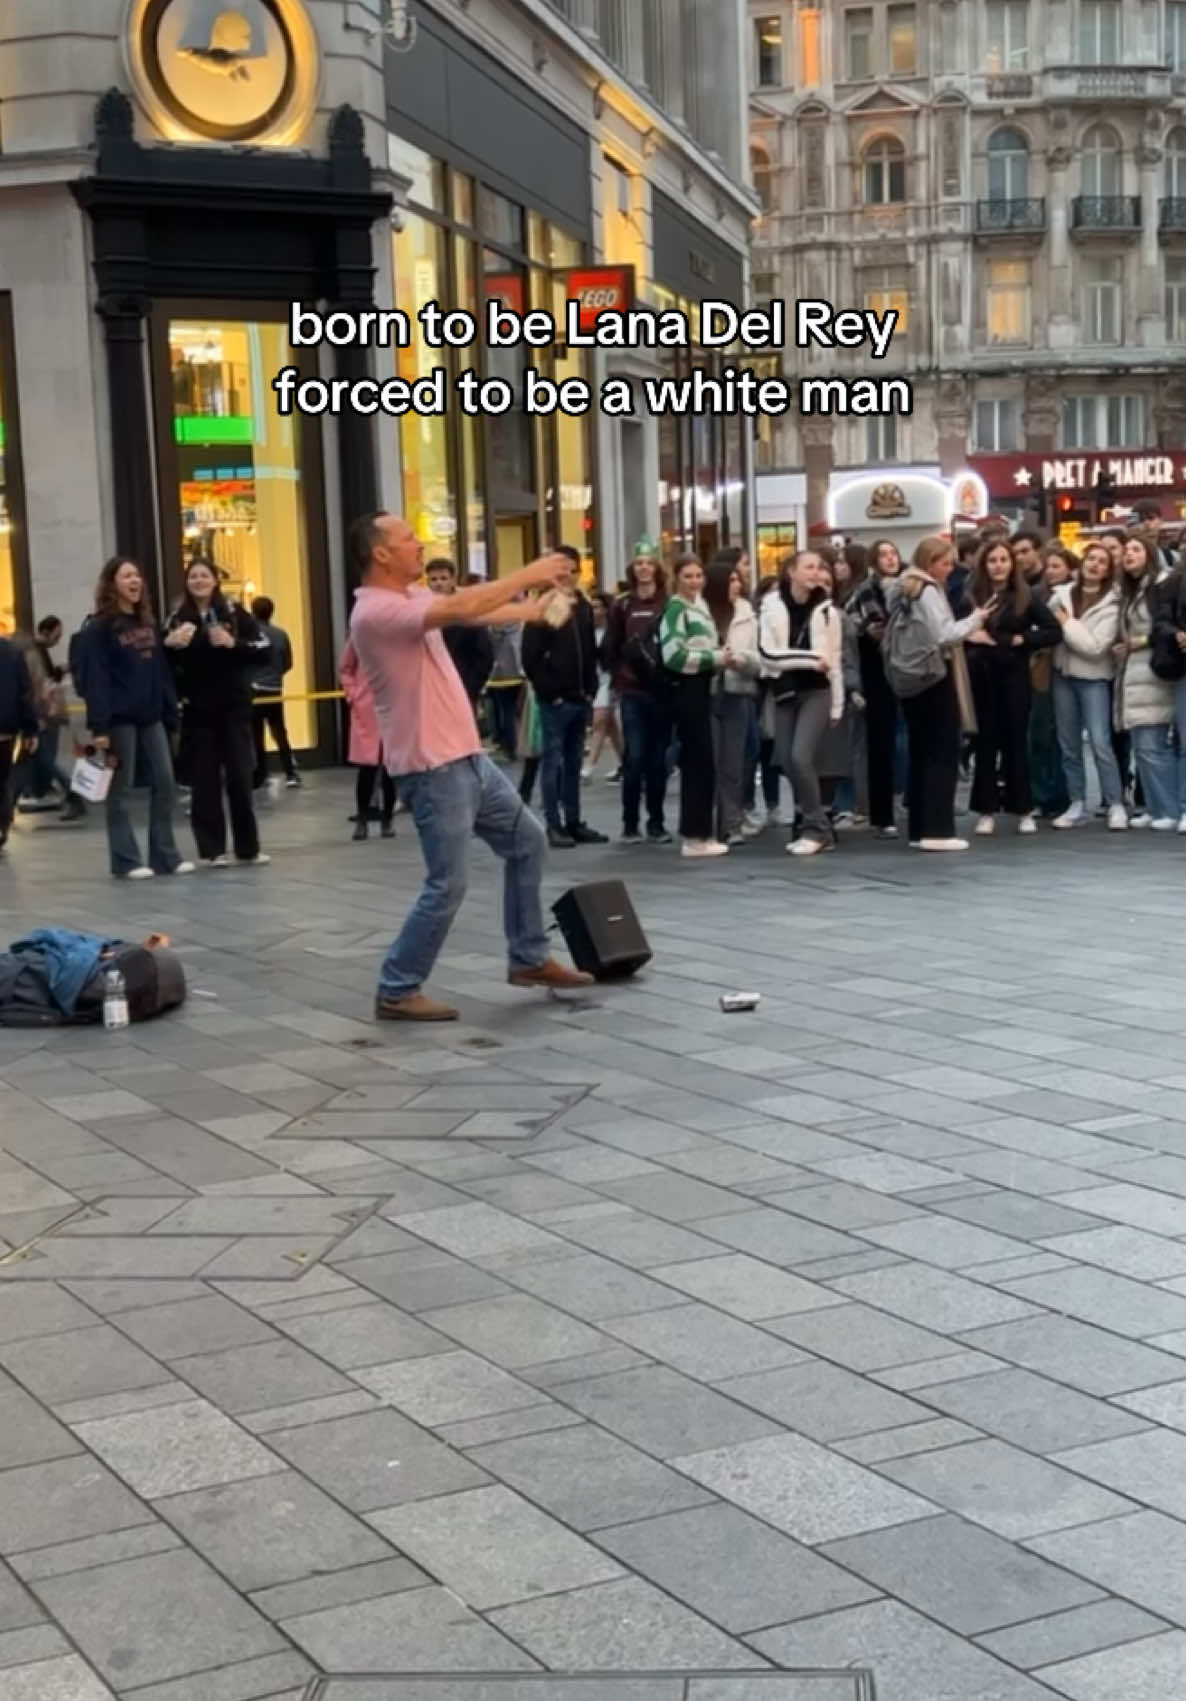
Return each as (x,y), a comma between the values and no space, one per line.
(1089,613)
(1143,705)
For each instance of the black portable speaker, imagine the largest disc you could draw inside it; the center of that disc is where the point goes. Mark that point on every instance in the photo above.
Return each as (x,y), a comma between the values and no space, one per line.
(602,931)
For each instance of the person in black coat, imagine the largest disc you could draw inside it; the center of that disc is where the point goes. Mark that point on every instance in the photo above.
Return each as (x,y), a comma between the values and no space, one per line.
(215,648)
(561,663)
(18,723)
(471,647)
(1018,625)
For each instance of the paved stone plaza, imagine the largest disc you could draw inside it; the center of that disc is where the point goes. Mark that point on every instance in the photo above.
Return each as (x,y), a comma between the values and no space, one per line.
(609,1336)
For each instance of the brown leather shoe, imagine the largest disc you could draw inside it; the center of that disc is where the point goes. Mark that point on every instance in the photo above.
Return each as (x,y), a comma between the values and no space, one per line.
(415,1008)
(552,976)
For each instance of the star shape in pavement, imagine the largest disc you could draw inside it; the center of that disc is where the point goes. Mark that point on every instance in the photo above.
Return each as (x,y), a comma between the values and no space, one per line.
(1023,476)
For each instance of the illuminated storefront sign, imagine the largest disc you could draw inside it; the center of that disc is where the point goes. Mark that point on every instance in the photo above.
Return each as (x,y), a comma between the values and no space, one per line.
(1018,476)
(601,289)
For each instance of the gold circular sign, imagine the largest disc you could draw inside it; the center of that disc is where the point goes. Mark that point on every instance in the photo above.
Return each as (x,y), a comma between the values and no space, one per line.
(224,70)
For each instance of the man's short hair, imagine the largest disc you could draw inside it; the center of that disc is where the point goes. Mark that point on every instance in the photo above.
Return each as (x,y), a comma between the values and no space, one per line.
(570,554)
(364,536)
(1027,536)
(1147,508)
(263,608)
(50,623)
(441,564)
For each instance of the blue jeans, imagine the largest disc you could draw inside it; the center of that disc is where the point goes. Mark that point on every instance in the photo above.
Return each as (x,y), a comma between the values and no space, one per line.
(448,805)
(1157,764)
(562,731)
(149,745)
(1085,705)
(646,733)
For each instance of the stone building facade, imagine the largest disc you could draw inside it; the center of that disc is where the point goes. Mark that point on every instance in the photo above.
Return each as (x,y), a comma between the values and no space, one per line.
(1011,177)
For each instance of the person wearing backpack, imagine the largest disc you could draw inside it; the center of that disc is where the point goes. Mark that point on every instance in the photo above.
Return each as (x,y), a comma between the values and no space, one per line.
(922,655)
(801,636)
(638,679)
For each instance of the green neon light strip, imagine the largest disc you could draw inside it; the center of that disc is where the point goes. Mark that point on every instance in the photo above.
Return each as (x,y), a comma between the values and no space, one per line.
(202,428)
(1,434)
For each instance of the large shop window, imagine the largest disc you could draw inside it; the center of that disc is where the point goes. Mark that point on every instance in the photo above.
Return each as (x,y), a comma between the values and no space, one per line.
(240,480)
(701,460)
(15,608)
(489,493)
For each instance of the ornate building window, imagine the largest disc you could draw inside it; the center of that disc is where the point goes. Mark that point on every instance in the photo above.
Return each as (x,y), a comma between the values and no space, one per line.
(1008,166)
(883,175)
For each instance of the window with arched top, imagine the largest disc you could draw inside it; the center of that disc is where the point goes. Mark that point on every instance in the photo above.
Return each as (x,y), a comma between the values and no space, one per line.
(1008,166)
(884,172)
(1099,158)
(762,173)
(1175,165)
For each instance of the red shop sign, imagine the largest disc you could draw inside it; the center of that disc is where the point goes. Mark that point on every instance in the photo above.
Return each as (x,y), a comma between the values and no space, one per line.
(1144,471)
(507,289)
(601,289)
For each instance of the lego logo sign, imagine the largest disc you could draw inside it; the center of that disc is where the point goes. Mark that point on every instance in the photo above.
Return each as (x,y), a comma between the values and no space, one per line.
(601,289)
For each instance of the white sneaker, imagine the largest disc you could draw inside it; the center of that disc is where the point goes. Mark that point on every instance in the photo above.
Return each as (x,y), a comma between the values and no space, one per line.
(222,861)
(1027,824)
(750,829)
(986,826)
(1164,824)
(587,772)
(1075,816)
(140,874)
(780,818)
(885,832)
(844,819)
(1118,819)
(1144,819)
(1182,825)
(807,847)
(944,844)
(185,868)
(703,847)
(734,839)
(260,861)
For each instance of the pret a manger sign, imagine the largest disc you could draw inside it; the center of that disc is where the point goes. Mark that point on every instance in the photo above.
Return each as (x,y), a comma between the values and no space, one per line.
(1081,472)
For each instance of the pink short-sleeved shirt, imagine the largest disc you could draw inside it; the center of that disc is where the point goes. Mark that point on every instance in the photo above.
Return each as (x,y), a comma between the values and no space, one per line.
(424,714)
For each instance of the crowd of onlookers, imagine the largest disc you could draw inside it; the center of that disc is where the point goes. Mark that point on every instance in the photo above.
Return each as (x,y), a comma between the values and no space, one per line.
(848,691)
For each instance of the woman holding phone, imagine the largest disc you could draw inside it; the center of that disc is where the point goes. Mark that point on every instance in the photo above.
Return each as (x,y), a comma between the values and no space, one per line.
(214,645)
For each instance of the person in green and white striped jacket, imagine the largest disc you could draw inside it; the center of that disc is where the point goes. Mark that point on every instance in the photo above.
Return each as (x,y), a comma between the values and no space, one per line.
(692,654)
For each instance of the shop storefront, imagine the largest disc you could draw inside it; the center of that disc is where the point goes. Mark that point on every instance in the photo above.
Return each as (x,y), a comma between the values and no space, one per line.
(1072,488)
(14,560)
(704,462)
(499,209)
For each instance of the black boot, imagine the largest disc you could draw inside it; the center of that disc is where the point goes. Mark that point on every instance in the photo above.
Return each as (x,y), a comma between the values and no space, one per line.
(387,830)
(361,831)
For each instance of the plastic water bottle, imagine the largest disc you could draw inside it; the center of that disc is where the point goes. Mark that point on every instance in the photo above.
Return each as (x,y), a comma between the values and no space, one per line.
(115,999)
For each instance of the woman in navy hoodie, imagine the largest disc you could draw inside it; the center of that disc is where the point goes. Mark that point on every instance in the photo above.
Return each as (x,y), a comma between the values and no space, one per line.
(131,709)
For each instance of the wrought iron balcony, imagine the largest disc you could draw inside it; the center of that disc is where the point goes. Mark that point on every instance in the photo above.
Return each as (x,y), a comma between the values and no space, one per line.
(1011,214)
(1112,213)
(1173,213)
(1108,82)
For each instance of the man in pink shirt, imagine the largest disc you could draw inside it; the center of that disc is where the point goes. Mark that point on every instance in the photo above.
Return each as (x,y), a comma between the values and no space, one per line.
(431,746)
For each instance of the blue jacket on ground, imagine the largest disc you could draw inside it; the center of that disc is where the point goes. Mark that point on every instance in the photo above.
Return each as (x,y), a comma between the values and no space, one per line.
(68,960)
(124,675)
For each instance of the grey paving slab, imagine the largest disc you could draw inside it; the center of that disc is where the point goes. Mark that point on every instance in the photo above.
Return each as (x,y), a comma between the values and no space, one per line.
(1068,1635)
(366,1334)
(508,1426)
(491,1547)
(1005,1489)
(908,1439)
(778,1236)
(641,1241)
(37,1642)
(625,1625)
(663,1412)
(375,1459)
(860,1337)
(62,1679)
(272,1373)
(18,1609)
(1164,1405)
(1113,1302)
(1031,1411)
(170,1449)
(800,1487)
(1078,1353)
(40,1308)
(735,1570)
(703,1343)
(64,1557)
(28,1434)
(1128,1251)
(1154,1667)
(419,1630)
(588,1286)
(911,1657)
(823,1401)
(77,1364)
(246,1680)
(278,1528)
(447,1387)
(1142,1557)
(587,1477)
(746,1287)
(965,1577)
(1150,1466)
(145,1620)
(841,1205)
(191,1326)
(673,1198)
(515,1331)
(934,1299)
(945,1241)
(62,1500)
